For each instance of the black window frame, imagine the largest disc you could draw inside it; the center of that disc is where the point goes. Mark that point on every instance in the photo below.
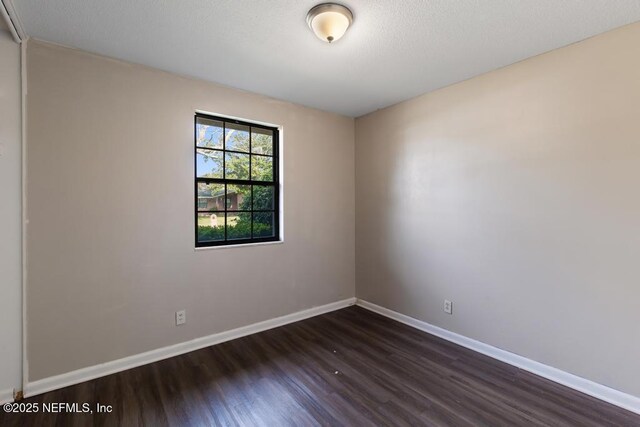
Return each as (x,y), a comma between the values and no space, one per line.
(226,181)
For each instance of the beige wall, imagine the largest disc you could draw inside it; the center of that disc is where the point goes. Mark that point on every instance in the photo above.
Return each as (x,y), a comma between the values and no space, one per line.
(110,205)
(10,216)
(515,194)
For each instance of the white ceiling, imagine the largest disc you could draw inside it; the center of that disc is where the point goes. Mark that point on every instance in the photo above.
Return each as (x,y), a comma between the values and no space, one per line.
(396,49)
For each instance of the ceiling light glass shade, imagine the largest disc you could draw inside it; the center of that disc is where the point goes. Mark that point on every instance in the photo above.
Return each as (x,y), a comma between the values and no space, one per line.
(329,21)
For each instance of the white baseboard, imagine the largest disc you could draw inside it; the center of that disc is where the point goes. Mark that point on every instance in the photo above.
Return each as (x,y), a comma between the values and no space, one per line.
(599,391)
(92,372)
(6,396)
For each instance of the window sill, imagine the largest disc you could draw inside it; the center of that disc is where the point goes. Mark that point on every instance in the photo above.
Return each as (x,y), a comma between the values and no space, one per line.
(243,245)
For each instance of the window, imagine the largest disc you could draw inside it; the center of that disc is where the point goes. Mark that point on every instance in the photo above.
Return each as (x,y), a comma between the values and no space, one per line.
(236,182)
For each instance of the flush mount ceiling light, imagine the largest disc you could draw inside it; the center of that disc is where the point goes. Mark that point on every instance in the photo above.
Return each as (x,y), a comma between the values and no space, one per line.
(329,21)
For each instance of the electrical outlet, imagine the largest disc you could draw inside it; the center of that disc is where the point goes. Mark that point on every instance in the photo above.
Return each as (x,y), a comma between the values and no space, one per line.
(448,307)
(181,317)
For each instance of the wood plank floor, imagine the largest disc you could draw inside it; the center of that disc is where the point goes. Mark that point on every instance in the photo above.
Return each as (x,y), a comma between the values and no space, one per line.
(349,367)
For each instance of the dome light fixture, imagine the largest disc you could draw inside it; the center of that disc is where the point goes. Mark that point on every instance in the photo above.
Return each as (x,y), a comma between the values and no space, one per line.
(329,21)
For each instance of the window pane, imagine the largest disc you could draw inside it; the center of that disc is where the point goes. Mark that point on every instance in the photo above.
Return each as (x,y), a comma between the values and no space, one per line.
(263,198)
(263,224)
(209,163)
(210,227)
(234,208)
(238,197)
(208,133)
(262,168)
(261,141)
(210,197)
(237,137)
(238,225)
(236,166)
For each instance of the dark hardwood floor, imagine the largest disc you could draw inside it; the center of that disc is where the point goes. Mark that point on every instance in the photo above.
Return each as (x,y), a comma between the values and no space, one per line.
(349,367)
